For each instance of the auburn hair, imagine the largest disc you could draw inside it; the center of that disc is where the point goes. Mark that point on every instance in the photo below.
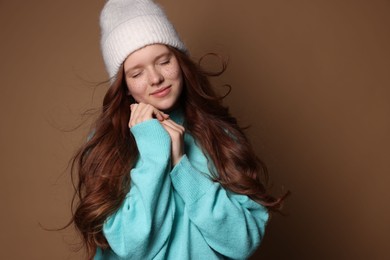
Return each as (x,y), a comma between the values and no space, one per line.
(101,167)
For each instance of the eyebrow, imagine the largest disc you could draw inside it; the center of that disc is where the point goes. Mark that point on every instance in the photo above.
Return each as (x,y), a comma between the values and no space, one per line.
(168,54)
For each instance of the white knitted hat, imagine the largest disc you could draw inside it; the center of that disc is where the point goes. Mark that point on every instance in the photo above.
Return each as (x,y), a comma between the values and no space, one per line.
(128,25)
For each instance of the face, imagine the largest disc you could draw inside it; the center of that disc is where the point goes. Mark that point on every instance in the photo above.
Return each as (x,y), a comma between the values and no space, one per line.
(154,77)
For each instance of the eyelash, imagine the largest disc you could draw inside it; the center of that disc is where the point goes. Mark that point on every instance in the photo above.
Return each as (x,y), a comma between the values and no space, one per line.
(161,63)
(136,75)
(165,62)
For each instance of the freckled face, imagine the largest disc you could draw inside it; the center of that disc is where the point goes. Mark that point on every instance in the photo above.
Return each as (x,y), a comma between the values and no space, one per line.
(154,77)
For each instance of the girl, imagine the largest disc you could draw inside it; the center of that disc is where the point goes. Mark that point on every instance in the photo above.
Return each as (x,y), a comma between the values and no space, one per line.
(167,172)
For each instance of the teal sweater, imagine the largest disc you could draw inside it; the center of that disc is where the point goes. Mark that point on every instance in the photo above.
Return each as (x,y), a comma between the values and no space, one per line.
(179,213)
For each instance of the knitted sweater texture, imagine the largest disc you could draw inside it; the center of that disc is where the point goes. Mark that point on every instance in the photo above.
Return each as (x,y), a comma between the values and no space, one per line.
(179,212)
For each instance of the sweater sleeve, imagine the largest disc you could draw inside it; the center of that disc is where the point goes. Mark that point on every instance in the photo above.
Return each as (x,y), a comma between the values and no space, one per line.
(232,224)
(141,226)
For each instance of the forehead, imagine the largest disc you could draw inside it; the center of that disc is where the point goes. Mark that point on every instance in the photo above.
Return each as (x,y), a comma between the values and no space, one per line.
(146,54)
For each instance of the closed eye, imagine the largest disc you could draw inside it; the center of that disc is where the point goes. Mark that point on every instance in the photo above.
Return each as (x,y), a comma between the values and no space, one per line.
(165,62)
(136,75)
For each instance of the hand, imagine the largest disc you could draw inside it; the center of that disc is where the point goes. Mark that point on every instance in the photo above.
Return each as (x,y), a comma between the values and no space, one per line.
(176,132)
(141,112)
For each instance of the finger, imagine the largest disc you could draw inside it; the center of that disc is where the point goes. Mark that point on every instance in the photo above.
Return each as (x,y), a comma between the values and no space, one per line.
(174,125)
(174,131)
(149,111)
(133,114)
(158,114)
(141,112)
(167,126)
(166,116)
(176,134)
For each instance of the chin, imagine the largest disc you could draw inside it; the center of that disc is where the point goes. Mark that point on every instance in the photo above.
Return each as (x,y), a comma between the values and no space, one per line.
(166,107)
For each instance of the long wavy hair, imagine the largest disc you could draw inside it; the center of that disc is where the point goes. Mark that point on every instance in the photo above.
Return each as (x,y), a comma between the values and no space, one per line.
(100,168)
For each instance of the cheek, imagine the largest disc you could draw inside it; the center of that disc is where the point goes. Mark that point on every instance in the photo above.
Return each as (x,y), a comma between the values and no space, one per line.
(136,88)
(172,72)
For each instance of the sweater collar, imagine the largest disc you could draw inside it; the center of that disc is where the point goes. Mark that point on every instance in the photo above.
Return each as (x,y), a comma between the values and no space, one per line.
(177,115)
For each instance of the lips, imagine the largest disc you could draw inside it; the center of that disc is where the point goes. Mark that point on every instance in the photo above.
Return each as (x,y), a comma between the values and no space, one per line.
(162,92)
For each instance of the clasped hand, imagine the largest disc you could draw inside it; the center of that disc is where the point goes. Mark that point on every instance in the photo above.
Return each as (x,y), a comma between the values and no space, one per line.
(141,112)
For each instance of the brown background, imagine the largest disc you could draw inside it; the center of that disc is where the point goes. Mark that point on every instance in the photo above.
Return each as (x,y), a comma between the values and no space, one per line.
(311,77)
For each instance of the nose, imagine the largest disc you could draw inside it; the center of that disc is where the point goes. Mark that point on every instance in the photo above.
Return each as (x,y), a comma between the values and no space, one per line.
(155,77)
